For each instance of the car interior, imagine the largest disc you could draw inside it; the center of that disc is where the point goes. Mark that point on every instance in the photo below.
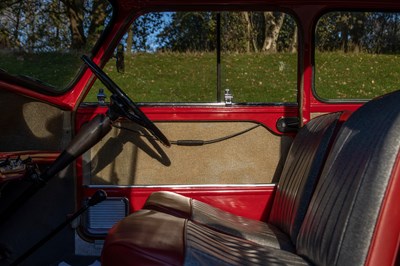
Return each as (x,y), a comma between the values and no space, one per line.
(218,132)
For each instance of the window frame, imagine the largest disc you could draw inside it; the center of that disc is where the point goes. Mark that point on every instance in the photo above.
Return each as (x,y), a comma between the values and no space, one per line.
(313,63)
(135,15)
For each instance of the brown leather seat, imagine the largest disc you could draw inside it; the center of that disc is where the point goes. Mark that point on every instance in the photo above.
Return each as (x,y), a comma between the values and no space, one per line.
(351,218)
(154,238)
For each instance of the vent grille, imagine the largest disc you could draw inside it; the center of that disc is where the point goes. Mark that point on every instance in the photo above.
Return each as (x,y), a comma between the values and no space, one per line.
(101,217)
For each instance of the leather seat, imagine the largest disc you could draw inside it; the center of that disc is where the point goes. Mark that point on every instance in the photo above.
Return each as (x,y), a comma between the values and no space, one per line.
(154,238)
(294,190)
(351,218)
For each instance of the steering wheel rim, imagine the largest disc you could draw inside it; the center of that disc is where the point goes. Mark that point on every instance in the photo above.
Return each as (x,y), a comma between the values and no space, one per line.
(130,109)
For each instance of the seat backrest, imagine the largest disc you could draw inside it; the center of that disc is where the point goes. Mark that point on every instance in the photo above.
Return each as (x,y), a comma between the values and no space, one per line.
(300,173)
(347,211)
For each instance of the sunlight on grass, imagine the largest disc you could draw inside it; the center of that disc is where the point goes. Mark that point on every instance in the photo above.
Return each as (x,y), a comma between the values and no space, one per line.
(192,77)
(355,75)
(55,69)
(251,77)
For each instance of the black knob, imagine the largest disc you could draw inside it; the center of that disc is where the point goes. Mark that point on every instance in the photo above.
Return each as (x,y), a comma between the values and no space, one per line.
(97,197)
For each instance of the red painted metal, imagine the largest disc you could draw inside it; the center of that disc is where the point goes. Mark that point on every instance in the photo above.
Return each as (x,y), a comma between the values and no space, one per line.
(267,115)
(318,106)
(385,244)
(39,157)
(20,173)
(253,202)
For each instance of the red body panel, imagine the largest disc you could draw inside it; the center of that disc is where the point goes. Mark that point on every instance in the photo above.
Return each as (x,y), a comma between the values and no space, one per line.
(40,157)
(268,116)
(386,243)
(248,201)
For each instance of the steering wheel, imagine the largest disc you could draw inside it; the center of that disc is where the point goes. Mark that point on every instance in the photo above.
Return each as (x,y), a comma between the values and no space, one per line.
(124,104)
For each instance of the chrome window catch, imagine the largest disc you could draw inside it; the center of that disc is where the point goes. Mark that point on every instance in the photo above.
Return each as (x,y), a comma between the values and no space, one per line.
(228,97)
(101,97)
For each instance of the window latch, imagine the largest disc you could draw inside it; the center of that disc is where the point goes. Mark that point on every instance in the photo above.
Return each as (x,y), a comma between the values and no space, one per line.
(101,97)
(228,97)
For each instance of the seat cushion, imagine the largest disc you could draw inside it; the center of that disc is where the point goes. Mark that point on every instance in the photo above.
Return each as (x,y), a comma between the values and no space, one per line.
(148,237)
(145,238)
(257,231)
(299,176)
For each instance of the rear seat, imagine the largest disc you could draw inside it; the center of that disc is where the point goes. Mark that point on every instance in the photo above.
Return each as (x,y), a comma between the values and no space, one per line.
(294,190)
(349,221)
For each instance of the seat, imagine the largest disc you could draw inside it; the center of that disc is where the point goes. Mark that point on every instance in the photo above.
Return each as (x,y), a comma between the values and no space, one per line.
(154,238)
(297,182)
(352,218)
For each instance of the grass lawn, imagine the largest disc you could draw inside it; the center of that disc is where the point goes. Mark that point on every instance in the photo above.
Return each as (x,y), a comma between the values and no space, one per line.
(172,77)
(192,77)
(356,75)
(57,69)
(251,77)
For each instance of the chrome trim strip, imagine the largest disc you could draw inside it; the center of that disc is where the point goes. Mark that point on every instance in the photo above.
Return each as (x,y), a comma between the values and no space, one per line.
(185,186)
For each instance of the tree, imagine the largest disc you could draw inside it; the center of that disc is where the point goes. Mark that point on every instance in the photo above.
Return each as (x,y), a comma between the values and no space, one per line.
(143,31)
(35,25)
(294,43)
(273,25)
(237,32)
(196,31)
(75,14)
(99,10)
(358,32)
(129,40)
(189,31)
(383,32)
(251,36)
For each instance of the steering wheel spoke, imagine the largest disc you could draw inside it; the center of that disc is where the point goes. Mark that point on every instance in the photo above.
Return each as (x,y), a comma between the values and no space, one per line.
(124,105)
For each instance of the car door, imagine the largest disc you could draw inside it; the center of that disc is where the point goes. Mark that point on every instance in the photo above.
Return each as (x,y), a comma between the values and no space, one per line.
(229,109)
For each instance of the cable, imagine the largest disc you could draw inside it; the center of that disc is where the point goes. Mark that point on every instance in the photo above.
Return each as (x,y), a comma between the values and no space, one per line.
(191,142)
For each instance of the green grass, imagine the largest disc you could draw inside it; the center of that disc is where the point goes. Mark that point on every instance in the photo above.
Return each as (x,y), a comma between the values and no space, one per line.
(261,77)
(356,75)
(56,69)
(164,77)
(191,77)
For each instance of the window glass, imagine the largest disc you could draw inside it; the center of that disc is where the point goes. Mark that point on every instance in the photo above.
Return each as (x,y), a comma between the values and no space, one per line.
(357,54)
(37,41)
(196,57)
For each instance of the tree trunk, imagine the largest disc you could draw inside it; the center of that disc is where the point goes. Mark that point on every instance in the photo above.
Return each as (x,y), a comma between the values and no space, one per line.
(17,22)
(273,26)
(129,40)
(251,41)
(293,45)
(74,9)
(345,39)
(98,17)
(31,20)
